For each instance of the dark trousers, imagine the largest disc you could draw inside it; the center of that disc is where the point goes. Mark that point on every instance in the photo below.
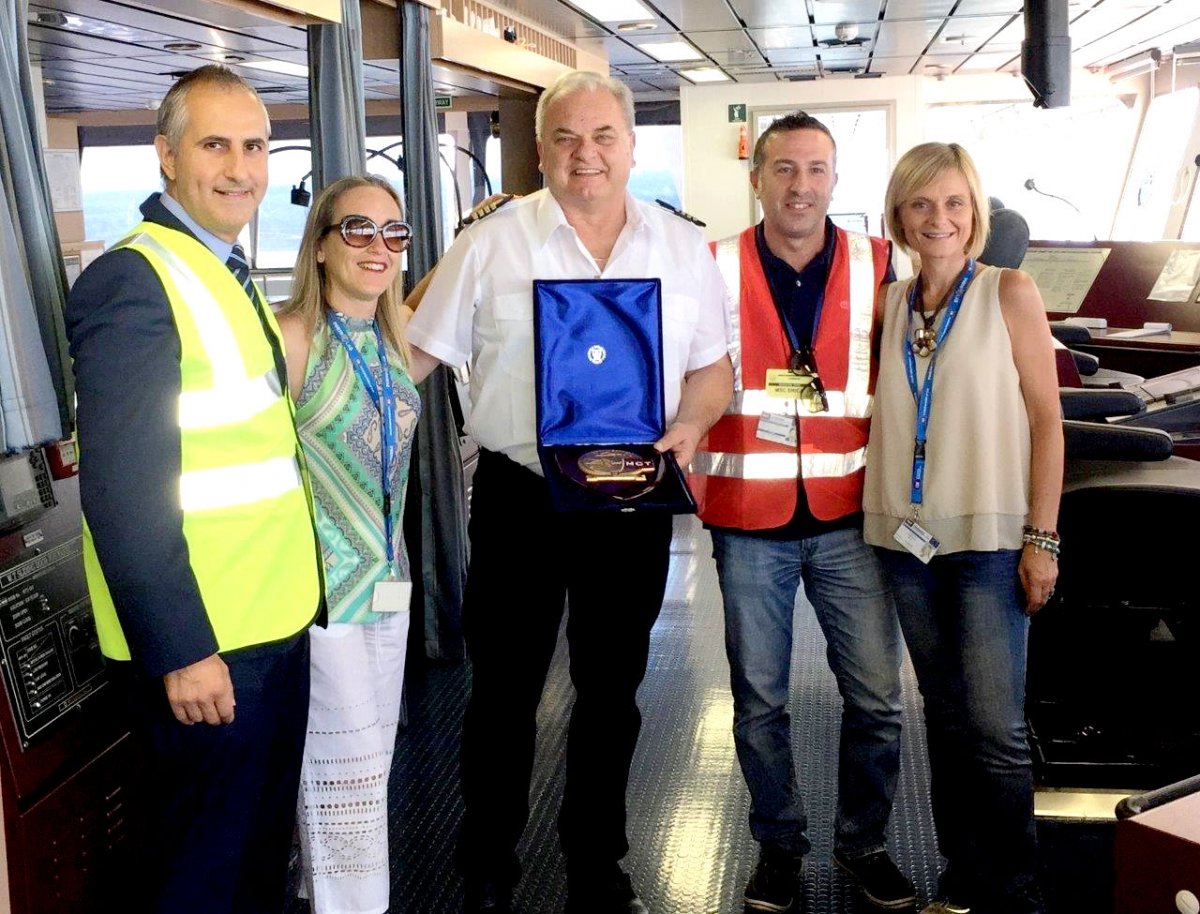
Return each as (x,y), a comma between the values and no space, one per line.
(525,558)
(221,801)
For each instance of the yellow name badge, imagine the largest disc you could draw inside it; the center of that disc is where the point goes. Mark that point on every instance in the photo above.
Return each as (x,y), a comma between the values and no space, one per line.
(785,383)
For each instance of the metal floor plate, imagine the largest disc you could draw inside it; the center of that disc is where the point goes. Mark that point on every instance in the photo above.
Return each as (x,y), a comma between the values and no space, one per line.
(691,851)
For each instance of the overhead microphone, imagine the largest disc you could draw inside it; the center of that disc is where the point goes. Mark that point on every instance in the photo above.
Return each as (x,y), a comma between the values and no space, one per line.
(1030,185)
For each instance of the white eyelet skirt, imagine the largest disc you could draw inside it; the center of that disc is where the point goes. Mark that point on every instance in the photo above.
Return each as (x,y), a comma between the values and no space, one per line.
(357,681)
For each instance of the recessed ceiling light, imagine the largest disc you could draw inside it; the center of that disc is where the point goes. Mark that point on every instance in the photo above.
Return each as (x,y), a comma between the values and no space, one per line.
(704,75)
(637,26)
(670,51)
(278,66)
(181,46)
(614,10)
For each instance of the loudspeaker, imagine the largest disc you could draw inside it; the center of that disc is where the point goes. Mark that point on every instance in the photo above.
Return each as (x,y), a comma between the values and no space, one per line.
(1046,53)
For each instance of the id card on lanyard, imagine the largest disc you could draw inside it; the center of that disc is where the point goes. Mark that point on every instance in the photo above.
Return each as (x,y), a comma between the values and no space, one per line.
(911,535)
(778,424)
(389,595)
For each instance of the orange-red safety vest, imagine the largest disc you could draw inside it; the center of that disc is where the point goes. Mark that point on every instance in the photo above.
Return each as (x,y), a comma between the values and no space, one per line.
(746,482)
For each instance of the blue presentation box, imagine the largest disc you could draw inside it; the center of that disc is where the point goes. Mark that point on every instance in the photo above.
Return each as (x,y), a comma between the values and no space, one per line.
(598,352)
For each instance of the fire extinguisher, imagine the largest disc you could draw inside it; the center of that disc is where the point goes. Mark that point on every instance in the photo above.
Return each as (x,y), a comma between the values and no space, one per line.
(743,142)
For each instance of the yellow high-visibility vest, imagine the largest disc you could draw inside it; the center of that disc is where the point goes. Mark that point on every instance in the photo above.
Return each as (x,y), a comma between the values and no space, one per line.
(243,488)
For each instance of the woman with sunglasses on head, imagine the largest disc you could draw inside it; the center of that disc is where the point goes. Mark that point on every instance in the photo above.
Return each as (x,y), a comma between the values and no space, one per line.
(356,411)
(963,478)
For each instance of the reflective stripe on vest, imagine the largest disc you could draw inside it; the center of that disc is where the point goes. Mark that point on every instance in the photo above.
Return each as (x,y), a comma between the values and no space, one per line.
(778,466)
(730,265)
(757,402)
(232,398)
(244,484)
(862,316)
(855,401)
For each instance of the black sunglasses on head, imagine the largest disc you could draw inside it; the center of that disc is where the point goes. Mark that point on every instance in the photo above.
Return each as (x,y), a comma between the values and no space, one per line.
(803,362)
(359,232)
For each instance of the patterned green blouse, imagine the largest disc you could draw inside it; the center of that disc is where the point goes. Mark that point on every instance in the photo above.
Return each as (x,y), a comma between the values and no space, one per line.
(340,430)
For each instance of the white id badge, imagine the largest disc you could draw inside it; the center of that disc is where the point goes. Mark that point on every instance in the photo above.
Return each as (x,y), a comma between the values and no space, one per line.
(778,428)
(391,596)
(918,541)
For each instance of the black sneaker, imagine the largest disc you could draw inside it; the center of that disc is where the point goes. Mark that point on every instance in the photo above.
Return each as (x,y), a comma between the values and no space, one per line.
(775,885)
(881,882)
(609,893)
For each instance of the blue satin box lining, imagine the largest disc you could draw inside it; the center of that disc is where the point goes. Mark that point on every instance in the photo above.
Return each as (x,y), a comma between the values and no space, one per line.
(598,350)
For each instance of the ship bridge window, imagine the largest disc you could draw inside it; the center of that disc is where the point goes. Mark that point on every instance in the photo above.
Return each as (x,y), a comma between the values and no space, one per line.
(1074,157)
(658,172)
(115,180)
(1157,182)
(280,222)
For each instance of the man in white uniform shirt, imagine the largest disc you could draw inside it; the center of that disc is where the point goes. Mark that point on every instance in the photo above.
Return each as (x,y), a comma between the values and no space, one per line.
(526,558)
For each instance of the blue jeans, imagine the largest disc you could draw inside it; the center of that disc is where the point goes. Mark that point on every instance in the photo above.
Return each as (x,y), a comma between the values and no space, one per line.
(843,581)
(964,621)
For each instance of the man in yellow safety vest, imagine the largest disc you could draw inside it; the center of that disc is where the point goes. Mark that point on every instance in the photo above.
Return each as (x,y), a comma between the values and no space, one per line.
(199,545)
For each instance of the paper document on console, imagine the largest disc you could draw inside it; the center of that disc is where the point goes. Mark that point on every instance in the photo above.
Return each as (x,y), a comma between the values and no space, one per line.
(1178,278)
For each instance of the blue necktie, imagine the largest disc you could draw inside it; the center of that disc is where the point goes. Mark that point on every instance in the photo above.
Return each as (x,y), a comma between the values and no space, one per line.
(240,268)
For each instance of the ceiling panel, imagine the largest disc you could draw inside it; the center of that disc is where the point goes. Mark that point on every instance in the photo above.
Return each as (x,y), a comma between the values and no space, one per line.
(739,60)
(697,14)
(1010,37)
(993,62)
(976,31)
(841,57)
(922,9)
(760,13)
(771,39)
(757,76)
(830,12)
(785,57)
(1158,27)
(894,65)
(622,53)
(722,42)
(1006,7)
(103,53)
(909,38)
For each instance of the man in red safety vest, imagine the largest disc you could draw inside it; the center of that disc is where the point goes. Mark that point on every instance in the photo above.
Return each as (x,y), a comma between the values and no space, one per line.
(779,480)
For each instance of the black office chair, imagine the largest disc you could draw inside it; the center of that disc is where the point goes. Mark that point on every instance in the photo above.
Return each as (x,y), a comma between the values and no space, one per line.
(1112,658)
(1007,239)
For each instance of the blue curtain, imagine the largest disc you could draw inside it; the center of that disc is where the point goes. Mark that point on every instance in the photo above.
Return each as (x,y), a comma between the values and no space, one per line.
(36,387)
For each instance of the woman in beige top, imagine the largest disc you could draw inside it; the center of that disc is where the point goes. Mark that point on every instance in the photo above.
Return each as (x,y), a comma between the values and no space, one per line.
(964,472)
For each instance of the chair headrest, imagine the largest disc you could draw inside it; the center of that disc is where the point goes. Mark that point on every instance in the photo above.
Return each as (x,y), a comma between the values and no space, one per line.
(1007,240)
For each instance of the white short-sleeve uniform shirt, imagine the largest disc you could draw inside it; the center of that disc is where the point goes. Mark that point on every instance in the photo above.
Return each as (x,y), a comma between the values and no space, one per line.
(478,308)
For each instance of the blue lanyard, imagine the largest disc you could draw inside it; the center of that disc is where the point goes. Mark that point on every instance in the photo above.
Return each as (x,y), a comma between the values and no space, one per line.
(387,413)
(924,399)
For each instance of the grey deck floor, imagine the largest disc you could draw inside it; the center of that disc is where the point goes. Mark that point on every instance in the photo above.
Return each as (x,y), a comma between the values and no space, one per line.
(691,852)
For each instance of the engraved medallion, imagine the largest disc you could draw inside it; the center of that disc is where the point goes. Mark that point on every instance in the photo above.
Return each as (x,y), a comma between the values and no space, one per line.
(614,465)
(619,473)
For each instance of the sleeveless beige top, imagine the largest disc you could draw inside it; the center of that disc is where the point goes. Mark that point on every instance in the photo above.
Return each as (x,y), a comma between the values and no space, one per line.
(977,453)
